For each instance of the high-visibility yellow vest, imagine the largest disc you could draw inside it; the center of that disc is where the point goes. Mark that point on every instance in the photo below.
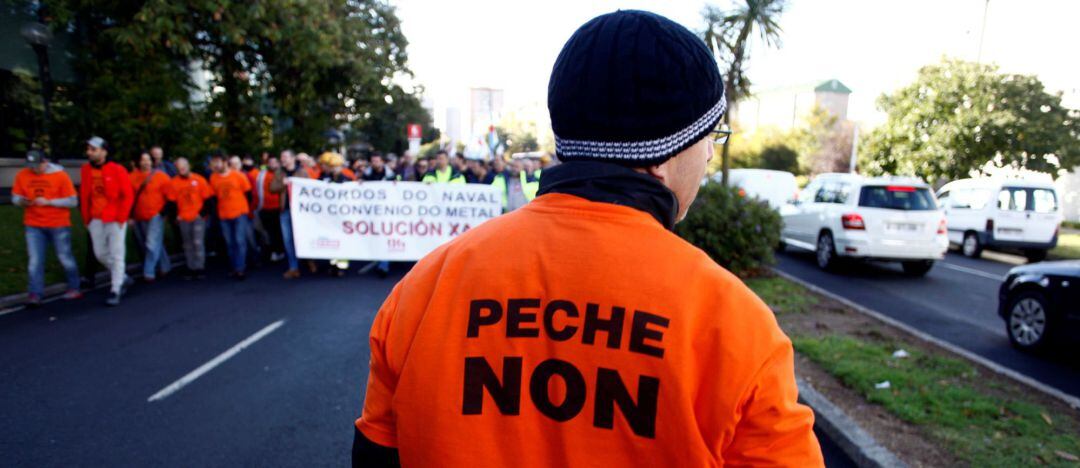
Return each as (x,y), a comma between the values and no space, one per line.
(530,185)
(447,176)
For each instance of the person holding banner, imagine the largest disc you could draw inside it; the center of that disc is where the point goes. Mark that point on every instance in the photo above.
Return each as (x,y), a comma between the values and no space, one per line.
(379,171)
(334,172)
(231,188)
(443,173)
(290,168)
(580,330)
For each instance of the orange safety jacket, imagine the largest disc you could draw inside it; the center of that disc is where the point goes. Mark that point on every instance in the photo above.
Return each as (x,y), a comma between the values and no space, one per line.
(597,338)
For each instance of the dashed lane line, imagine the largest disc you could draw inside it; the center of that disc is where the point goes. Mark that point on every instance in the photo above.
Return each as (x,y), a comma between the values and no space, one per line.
(211,364)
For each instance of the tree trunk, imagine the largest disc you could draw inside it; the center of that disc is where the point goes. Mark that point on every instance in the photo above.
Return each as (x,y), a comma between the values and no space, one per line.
(732,95)
(229,81)
(725,158)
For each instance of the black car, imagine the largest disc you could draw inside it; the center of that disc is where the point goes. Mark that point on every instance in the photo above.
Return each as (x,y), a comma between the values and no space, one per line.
(1040,303)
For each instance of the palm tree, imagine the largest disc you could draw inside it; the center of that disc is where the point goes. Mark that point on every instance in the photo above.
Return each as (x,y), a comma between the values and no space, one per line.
(727,36)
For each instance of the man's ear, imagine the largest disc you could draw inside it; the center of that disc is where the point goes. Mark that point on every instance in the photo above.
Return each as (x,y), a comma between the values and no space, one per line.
(660,172)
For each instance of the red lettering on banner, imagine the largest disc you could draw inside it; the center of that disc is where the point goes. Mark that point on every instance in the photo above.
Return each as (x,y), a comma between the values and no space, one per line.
(396,228)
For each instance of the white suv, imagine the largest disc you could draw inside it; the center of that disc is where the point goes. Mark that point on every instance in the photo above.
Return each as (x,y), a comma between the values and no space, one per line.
(880,218)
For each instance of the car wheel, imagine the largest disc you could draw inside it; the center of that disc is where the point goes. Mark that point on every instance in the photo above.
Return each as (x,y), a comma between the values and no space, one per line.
(1027,321)
(1036,255)
(826,252)
(917,267)
(971,246)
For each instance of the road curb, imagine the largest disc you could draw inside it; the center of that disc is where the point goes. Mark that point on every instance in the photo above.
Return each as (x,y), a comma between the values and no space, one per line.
(856,443)
(1070,400)
(15,302)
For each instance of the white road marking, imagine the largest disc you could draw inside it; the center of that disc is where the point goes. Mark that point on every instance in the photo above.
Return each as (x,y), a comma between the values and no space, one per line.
(972,271)
(211,364)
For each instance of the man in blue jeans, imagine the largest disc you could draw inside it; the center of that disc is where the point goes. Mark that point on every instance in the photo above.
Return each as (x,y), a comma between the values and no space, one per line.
(280,184)
(47,196)
(231,188)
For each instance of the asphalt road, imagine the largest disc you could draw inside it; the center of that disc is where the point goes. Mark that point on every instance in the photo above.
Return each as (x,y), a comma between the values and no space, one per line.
(956,302)
(78,376)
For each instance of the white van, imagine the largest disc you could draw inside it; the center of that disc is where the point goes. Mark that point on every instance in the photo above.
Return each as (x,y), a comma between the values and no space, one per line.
(775,187)
(1002,214)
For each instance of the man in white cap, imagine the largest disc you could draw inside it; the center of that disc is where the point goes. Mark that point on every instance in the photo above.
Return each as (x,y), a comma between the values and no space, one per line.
(106,197)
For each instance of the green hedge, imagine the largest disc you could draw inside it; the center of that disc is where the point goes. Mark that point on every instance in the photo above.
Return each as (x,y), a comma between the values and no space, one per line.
(738,232)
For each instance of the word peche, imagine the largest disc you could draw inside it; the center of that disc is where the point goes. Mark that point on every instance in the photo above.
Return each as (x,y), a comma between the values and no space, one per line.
(525,318)
(518,320)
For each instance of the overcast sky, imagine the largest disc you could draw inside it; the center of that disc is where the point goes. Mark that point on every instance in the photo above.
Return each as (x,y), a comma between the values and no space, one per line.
(873,46)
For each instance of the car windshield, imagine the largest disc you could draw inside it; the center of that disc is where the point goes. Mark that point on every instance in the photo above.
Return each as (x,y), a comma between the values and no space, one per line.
(896,197)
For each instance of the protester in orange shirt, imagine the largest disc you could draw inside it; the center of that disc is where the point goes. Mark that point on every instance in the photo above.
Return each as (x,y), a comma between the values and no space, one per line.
(599,337)
(310,165)
(47,196)
(189,191)
(268,207)
(231,189)
(106,198)
(151,185)
(255,232)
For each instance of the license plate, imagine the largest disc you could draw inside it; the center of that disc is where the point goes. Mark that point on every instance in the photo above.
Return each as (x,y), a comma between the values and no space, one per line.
(902,227)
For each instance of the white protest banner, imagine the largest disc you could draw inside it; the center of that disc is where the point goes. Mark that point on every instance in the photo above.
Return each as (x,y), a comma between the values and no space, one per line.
(384,220)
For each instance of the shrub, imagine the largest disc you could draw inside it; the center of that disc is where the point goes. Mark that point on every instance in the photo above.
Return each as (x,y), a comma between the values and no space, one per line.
(738,232)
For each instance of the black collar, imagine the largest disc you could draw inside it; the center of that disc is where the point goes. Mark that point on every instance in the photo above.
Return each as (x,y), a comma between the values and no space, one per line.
(612,183)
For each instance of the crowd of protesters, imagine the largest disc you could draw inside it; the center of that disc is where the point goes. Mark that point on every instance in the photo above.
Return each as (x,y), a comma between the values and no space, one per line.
(236,207)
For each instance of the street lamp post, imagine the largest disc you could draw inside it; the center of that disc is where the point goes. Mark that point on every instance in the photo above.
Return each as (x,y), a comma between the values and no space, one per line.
(38,36)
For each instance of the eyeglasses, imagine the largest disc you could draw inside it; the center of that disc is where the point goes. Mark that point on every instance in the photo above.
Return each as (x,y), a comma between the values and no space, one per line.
(720,135)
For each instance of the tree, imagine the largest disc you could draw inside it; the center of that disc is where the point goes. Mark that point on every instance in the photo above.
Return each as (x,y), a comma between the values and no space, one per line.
(310,65)
(384,124)
(780,158)
(280,72)
(133,96)
(727,35)
(959,116)
(824,142)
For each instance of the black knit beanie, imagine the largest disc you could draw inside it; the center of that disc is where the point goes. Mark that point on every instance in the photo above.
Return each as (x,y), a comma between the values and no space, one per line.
(635,88)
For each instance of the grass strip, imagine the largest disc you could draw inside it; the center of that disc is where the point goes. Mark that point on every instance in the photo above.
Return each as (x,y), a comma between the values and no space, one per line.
(946,397)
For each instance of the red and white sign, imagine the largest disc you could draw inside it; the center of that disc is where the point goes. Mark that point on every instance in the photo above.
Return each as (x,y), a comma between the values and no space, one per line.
(384,220)
(414,131)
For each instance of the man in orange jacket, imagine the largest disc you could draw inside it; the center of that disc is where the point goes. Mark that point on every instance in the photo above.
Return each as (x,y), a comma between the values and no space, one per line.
(106,197)
(598,337)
